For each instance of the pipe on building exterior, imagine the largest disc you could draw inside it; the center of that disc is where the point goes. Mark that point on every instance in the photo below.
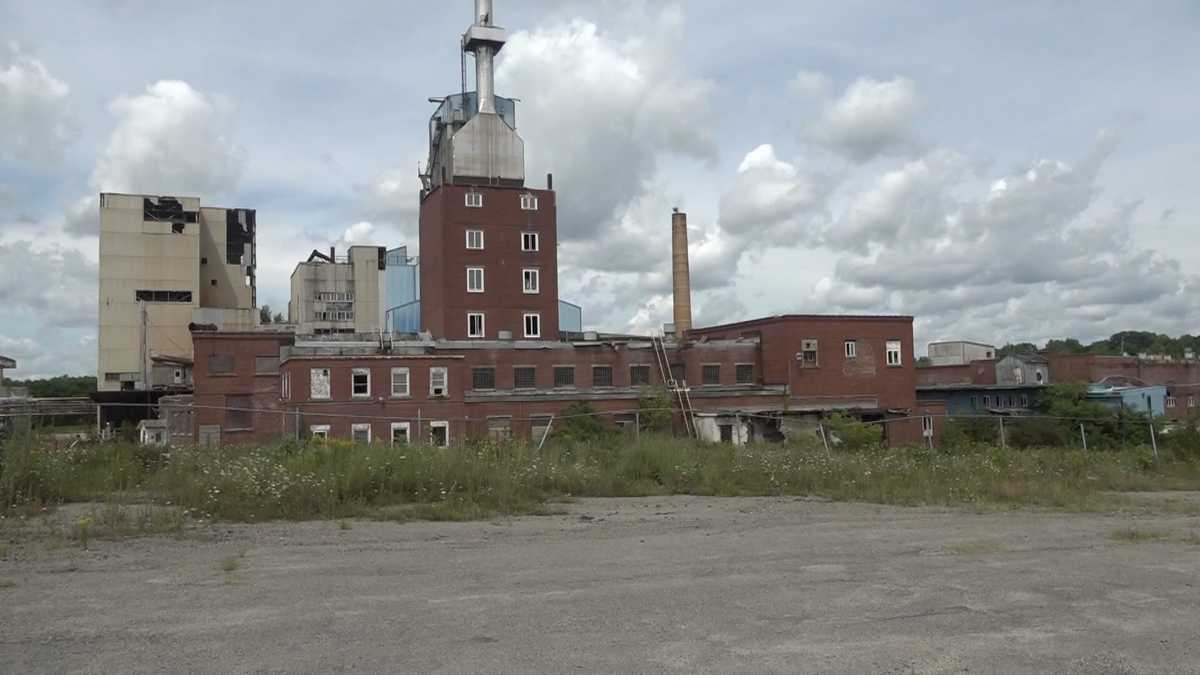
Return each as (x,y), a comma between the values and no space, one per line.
(680,275)
(484,89)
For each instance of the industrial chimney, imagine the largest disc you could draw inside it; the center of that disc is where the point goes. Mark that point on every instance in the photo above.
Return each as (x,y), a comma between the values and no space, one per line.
(681,278)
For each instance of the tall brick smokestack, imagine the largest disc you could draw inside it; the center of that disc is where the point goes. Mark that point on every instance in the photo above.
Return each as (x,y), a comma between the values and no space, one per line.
(681,277)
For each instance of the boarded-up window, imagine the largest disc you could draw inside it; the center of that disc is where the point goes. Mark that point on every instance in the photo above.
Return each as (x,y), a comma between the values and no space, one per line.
(564,376)
(499,428)
(238,412)
(524,377)
(266,365)
(220,364)
(745,373)
(601,376)
(483,378)
(319,383)
(639,376)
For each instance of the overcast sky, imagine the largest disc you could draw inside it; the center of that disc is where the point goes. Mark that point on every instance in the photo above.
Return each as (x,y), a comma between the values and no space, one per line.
(1001,171)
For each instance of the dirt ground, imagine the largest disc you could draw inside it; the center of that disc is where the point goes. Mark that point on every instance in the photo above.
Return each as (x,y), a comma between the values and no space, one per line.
(658,584)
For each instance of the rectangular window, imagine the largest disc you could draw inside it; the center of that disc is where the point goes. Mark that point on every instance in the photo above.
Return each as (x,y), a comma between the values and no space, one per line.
(710,373)
(483,378)
(499,428)
(539,426)
(893,353)
(679,373)
(528,202)
(220,364)
(239,412)
(360,383)
(400,433)
(318,383)
(474,279)
(318,431)
(438,382)
(564,376)
(524,377)
(266,365)
(1024,401)
(360,434)
(851,349)
(1170,401)
(1191,401)
(439,434)
(285,386)
(400,383)
(975,403)
(927,425)
(808,354)
(529,241)
(475,240)
(475,325)
(474,200)
(987,401)
(602,376)
(744,373)
(533,325)
(530,281)
(163,296)
(639,376)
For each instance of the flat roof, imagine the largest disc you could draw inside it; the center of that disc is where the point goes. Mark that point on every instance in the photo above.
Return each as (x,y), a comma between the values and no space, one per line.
(896,318)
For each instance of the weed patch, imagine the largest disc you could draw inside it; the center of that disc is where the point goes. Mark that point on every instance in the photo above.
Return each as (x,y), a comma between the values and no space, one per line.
(230,564)
(484,479)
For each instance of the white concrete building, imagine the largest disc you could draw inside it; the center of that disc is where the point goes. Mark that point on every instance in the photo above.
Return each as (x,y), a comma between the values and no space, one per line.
(959,352)
(332,295)
(166,262)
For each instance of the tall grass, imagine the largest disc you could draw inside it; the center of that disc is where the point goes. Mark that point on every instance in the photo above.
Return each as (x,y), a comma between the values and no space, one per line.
(337,480)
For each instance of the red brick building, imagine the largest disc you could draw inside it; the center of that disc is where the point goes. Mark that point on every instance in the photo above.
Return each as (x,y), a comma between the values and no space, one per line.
(1181,378)
(489,263)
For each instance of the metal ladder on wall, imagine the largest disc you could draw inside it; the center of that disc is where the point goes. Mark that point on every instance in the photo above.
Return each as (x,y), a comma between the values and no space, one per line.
(676,387)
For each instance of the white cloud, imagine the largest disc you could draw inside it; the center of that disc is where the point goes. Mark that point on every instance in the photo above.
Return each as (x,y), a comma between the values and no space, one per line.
(871,118)
(358,233)
(171,139)
(600,111)
(35,119)
(56,284)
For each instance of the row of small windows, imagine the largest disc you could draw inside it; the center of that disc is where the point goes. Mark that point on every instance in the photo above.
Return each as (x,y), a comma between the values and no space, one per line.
(333,316)
(474,200)
(529,241)
(347,296)
(477,325)
(531,280)
(809,356)
(483,378)
(163,296)
(1171,402)
(438,433)
(1001,401)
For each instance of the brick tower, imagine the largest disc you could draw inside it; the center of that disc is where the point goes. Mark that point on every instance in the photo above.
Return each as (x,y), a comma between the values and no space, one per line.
(489,247)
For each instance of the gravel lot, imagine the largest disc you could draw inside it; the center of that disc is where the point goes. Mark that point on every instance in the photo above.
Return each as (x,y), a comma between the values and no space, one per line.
(676,584)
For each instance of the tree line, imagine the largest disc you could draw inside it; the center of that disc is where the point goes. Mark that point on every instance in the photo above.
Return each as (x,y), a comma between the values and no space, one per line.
(1130,342)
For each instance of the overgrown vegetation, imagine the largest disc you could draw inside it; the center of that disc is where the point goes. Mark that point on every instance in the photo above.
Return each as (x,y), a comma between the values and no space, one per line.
(337,480)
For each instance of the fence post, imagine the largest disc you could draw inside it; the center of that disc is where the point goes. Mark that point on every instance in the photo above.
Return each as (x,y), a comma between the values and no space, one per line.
(824,438)
(1003,442)
(1083,435)
(637,426)
(1153,440)
(546,433)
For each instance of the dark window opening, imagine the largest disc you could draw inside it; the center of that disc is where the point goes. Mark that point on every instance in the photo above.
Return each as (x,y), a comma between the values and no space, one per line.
(602,376)
(239,233)
(177,228)
(166,209)
(524,377)
(203,260)
(710,374)
(483,378)
(726,432)
(639,376)
(678,372)
(213,282)
(745,373)
(808,354)
(564,376)
(163,296)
